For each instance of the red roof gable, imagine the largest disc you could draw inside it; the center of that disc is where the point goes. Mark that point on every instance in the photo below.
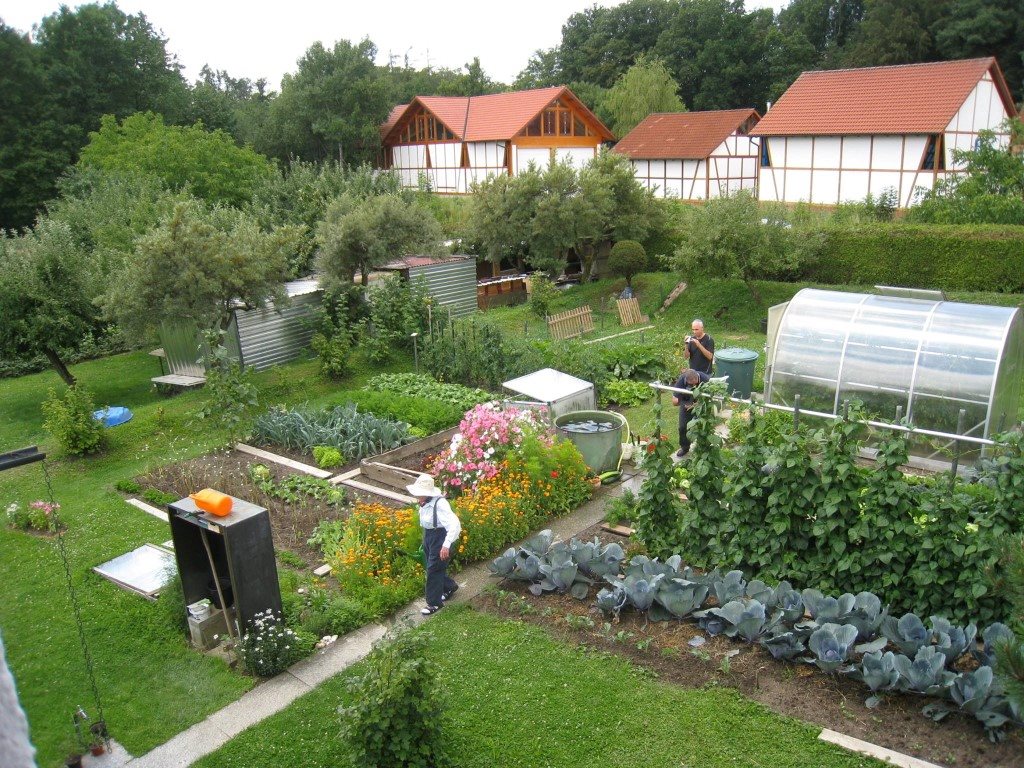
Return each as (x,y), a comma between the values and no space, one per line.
(682,135)
(495,117)
(909,98)
(396,113)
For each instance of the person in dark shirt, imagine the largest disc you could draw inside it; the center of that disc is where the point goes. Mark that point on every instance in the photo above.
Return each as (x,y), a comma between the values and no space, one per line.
(700,348)
(688,379)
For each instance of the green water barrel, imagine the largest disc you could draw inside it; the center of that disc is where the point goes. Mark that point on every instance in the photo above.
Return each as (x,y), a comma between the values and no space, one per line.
(738,364)
(601,450)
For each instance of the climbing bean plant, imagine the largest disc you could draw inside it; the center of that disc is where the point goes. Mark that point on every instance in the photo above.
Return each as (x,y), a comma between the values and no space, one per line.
(794,504)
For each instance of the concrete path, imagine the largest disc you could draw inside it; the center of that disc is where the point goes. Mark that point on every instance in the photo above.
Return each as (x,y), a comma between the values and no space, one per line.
(274,695)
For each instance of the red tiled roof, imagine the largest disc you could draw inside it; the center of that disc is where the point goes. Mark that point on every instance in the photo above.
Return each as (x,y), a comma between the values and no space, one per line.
(909,98)
(494,117)
(396,113)
(682,135)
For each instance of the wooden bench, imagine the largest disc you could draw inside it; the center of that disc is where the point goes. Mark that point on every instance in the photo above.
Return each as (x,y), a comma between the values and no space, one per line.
(629,312)
(570,324)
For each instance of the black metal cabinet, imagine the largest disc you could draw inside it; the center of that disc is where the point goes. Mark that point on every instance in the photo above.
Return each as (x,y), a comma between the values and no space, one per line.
(242,549)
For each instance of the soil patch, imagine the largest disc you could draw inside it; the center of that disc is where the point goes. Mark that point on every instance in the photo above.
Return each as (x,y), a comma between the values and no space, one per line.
(793,689)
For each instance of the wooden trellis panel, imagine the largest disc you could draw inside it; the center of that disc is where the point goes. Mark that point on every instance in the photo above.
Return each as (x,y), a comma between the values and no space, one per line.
(629,312)
(570,324)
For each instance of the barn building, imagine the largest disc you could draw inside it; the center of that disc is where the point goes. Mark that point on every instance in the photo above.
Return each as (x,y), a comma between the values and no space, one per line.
(694,155)
(454,141)
(837,136)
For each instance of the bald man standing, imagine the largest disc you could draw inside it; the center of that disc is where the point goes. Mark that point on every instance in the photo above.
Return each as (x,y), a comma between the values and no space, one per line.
(700,348)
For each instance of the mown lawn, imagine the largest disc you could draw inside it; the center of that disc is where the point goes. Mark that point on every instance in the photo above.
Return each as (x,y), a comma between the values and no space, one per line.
(516,698)
(151,684)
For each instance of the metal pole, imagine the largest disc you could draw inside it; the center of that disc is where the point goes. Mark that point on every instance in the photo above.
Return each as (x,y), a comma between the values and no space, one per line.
(216,582)
(796,413)
(956,448)
(416,352)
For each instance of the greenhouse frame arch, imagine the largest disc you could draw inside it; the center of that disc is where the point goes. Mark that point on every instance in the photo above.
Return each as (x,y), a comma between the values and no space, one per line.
(927,357)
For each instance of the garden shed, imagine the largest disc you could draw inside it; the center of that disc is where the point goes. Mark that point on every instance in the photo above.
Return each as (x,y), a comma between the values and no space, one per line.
(451,280)
(259,338)
(929,356)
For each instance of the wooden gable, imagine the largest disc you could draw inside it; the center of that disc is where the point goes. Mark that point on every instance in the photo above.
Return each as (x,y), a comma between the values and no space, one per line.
(420,126)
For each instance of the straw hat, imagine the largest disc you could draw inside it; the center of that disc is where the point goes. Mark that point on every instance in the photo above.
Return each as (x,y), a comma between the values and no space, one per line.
(423,487)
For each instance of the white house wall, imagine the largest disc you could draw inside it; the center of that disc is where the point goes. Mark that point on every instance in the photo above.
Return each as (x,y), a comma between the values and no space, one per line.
(981,110)
(828,170)
(445,171)
(486,158)
(523,156)
(577,156)
(732,167)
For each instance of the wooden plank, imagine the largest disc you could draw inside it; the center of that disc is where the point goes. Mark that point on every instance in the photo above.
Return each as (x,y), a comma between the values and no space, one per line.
(323,570)
(178,380)
(621,333)
(323,474)
(873,750)
(397,454)
(396,477)
(344,476)
(379,491)
(618,530)
(148,509)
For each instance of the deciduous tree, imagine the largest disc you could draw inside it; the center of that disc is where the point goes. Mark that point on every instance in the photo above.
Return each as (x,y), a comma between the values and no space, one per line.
(197,265)
(47,287)
(208,163)
(645,88)
(360,235)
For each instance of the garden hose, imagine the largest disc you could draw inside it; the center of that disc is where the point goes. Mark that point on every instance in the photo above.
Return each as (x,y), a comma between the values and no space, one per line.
(609,477)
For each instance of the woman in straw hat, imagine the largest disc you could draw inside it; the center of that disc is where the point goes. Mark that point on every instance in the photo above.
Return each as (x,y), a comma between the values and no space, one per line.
(440,530)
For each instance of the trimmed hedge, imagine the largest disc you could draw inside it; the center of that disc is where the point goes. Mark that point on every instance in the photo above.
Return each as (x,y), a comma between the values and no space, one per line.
(952,258)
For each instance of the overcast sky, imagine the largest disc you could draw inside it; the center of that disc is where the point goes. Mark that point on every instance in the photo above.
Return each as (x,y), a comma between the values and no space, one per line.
(257,39)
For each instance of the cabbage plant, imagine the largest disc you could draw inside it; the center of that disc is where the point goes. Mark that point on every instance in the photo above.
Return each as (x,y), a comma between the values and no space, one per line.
(831,645)
(878,672)
(926,674)
(784,645)
(908,633)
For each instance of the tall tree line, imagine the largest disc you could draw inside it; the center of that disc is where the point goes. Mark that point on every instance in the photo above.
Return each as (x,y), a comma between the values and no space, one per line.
(723,56)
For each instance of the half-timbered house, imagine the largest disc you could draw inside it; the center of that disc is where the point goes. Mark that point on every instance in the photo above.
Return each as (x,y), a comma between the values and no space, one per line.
(838,136)
(694,155)
(453,141)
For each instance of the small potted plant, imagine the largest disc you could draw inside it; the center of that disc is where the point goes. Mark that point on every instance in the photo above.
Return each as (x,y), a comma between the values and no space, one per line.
(98,745)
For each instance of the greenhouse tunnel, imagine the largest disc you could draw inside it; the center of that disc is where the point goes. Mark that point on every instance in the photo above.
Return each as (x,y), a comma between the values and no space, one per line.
(929,356)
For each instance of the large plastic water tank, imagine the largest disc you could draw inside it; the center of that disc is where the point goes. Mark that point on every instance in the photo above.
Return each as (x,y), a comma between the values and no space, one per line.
(598,435)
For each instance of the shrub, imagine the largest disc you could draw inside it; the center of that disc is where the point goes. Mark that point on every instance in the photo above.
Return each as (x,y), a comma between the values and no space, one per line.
(542,294)
(327,456)
(128,485)
(398,308)
(627,258)
(951,258)
(229,388)
(333,346)
(396,715)
(269,648)
(69,419)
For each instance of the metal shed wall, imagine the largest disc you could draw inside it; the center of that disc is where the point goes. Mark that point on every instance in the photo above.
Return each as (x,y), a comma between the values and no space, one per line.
(451,283)
(269,336)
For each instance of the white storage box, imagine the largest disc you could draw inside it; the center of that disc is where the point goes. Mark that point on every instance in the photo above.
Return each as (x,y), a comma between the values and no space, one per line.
(560,392)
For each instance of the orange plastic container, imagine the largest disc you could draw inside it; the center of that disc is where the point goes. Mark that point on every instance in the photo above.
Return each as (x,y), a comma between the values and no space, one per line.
(214,502)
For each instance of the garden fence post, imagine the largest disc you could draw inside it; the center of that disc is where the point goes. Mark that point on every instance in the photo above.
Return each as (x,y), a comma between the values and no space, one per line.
(415,353)
(796,413)
(960,417)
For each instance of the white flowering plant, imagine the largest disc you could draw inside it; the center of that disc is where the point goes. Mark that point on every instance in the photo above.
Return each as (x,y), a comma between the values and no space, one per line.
(269,647)
(38,516)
